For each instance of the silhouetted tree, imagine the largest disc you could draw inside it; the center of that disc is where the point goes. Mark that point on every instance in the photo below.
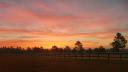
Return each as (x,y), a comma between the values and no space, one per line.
(37,50)
(67,49)
(78,46)
(100,49)
(119,42)
(89,50)
(54,49)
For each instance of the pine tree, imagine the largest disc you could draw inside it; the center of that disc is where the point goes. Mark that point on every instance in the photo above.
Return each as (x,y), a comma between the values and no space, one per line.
(119,42)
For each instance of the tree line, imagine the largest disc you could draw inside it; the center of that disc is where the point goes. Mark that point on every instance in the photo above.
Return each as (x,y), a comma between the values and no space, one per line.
(118,44)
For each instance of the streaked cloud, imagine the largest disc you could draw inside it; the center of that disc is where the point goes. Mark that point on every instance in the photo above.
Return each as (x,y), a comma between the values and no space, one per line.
(85,20)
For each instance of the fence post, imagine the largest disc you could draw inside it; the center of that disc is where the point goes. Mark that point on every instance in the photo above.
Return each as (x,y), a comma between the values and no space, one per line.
(120,56)
(98,55)
(108,56)
(89,56)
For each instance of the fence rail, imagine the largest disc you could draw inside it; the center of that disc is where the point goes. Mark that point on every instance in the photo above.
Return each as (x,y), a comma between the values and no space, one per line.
(96,55)
(92,55)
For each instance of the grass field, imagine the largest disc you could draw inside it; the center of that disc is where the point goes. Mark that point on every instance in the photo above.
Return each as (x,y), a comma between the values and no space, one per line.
(41,64)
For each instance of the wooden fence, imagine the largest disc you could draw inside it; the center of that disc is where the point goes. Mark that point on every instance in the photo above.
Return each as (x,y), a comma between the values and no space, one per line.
(93,55)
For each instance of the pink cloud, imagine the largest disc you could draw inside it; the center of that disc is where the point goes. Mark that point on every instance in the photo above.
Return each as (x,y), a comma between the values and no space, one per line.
(43,6)
(3,5)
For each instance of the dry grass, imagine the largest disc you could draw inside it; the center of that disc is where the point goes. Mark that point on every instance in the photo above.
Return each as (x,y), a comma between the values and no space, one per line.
(40,64)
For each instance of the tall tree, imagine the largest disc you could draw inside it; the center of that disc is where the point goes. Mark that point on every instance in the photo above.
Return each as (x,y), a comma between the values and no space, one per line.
(119,41)
(78,46)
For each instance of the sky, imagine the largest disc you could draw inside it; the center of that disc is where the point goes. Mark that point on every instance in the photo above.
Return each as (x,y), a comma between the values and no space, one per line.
(62,22)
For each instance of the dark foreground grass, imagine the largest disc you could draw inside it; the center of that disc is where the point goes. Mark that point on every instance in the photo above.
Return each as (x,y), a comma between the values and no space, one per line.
(41,64)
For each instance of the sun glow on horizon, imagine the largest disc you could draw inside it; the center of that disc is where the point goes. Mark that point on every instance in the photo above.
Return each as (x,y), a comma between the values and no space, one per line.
(46,44)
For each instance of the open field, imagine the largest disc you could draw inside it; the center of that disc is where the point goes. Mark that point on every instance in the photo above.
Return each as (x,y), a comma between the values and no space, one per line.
(47,64)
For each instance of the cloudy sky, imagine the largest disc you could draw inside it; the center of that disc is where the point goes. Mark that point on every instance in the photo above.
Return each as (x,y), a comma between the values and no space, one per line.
(62,22)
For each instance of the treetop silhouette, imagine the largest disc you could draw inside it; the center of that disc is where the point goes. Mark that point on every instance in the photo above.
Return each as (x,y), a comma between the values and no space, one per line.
(119,41)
